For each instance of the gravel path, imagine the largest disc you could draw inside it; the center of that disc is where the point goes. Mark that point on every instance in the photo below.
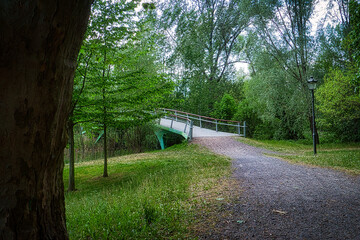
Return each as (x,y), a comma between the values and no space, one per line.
(286,201)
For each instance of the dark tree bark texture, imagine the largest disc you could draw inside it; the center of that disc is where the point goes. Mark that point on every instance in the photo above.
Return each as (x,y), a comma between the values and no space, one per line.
(70,131)
(39,43)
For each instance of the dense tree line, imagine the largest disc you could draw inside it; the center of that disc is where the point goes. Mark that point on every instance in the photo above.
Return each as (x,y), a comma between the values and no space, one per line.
(201,43)
(283,47)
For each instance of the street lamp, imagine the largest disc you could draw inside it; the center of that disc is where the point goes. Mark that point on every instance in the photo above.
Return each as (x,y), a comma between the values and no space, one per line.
(312,85)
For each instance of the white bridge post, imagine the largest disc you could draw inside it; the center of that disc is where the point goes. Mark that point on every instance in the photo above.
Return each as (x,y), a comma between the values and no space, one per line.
(244,128)
(191,130)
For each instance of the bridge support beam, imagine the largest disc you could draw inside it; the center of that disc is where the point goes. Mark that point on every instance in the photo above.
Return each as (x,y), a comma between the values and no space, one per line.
(161,130)
(160,136)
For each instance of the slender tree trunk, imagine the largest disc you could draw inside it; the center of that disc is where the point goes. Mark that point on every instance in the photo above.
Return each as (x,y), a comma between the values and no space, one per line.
(70,129)
(105,153)
(105,174)
(39,43)
(82,144)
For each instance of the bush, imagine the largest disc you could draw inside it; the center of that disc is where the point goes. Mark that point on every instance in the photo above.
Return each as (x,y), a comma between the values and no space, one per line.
(226,108)
(339,106)
(246,113)
(263,131)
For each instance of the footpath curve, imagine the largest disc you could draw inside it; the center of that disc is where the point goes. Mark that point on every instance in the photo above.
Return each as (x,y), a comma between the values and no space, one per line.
(280,200)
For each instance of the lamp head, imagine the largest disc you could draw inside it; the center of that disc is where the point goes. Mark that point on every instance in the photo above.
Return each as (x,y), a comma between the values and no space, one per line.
(312,83)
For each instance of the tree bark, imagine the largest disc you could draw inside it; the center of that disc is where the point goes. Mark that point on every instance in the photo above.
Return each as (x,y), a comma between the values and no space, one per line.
(39,43)
(70,129)
(105,174)
(105,152)
(82,144)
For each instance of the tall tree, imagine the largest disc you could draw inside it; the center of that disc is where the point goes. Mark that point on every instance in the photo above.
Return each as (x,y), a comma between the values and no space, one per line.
(80,102)
(333,51)
(338,96)
(284,28)
(110,24)
(276,98)
(119,63)
(205,38)
(286,34)
(38,48)
(354,40)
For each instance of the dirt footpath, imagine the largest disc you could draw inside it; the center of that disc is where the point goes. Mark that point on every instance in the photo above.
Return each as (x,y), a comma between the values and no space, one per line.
(280,200)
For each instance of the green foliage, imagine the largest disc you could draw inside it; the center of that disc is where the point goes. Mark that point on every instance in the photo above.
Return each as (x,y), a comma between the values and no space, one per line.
(206,44)
(245,112)
(146,196)
(200,96)
(118,82)
(284,29)
(149,6)
(124,83)
(112,89)
(279,100)
(225,109)
(354,39)
(125,72)
(332,53)
(206,34)
(94,83)
(281,50)
(196,45)
(339,106)
(337,98)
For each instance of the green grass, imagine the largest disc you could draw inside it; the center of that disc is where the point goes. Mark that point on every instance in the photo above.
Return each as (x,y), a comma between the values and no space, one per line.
(341,156)
(146,196)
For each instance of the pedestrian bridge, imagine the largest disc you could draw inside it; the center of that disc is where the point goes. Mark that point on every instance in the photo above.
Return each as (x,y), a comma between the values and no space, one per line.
(190,126)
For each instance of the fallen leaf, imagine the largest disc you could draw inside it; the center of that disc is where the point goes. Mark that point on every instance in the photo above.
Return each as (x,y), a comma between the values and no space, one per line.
(240,221)
(280,212)
(220,198)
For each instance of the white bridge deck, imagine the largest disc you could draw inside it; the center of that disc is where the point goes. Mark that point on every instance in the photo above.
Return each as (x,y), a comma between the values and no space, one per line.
(197,131)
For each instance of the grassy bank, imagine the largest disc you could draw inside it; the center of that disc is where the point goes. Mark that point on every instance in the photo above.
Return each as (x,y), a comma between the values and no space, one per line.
(146,196)
(341,156)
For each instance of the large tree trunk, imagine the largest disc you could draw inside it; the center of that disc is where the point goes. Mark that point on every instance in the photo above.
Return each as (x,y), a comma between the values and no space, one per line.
(70,130)
(39,43)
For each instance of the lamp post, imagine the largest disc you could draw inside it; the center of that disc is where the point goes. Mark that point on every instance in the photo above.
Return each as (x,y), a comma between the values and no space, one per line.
(312,85)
